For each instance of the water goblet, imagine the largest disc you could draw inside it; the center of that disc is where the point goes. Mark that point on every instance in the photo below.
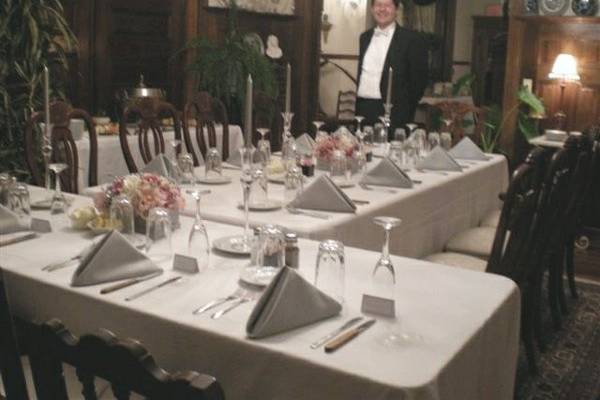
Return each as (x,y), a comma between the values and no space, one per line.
(264,147)
(259,193)
(446,140)
(359,157)
(247,158)
(337,166)
(359,119)
(158,235)
(420,138)
(400,135)
(175,173)
(198,242)
(397,152)
(289,153)
(212,164)
(18,202)
(244,244)
(59,202)
(330,269)
(368,135)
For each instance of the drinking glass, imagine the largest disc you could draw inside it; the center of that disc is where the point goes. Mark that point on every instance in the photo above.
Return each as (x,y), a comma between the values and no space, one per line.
(121,214)
(264,147)
(368,134)
(420,138)
(446,140)
(18,202)
(293,184)
(212,164)
(330,269)
(59,202)
(397,152)
(5,184)
(186,168)
(337,166)
(411,127)
(198,242)
(247,158)
(360,158)
(289,152)
(158,235)
(359,119)
(259,193)
(379,134)
(244,244)
(400,135)
(271,250)
(434,140)
(409,156)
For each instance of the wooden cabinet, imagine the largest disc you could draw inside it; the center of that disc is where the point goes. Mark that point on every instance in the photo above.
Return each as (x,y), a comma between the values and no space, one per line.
(488,58)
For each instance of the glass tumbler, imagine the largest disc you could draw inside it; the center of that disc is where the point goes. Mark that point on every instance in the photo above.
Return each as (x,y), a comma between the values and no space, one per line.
(293,184)
(434,140)
(338,166)
(259,193)
(18,201)
(158,235)
(212,164)
(186,168)
(271,248)
(121,214)
(446,141)
(330,269)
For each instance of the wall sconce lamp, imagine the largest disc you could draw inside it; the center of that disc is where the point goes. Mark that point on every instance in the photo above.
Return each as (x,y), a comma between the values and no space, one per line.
(565,70)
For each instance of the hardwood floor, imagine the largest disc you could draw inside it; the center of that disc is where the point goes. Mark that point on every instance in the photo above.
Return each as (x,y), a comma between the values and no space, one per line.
(587,262)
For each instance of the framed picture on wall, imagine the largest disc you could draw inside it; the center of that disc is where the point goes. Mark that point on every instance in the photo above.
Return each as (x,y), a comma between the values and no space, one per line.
(282,7)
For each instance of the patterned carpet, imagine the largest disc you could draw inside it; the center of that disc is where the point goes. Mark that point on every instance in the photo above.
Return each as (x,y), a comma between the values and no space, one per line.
(570,367)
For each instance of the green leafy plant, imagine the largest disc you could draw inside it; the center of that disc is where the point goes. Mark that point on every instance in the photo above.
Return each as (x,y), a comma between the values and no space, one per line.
(494,122)
(33,33)
(463,84)
(222,68)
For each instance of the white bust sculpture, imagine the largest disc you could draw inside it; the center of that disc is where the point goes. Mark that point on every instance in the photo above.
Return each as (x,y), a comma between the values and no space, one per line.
(273,49)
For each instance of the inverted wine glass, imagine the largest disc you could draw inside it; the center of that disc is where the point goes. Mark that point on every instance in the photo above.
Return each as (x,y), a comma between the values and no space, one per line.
(198,242)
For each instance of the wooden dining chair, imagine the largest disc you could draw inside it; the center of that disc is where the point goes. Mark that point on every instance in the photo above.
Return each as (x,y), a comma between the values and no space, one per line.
(64,147)
(207,112)
(266,114)
(125,364)
(346,105)
(148,111)
(11,368)
(508,246)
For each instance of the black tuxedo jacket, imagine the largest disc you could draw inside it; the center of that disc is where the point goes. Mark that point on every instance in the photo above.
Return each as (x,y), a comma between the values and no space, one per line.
(408,56)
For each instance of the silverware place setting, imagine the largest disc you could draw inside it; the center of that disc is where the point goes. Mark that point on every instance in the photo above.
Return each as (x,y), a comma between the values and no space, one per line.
(129,282)
(296,211)
(364,186)
(347,325)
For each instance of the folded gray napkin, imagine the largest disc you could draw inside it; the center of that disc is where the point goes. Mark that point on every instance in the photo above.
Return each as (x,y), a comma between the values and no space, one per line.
(289,302)
(387,173)
(305,144)
(160,165)
(467,150)
(9,221)
(324,195)
(113,258)
(439,160)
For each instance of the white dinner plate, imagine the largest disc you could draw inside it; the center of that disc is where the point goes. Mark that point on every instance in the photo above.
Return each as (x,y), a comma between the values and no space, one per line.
(217,180)
(270,205)
(257,276)
(231,245)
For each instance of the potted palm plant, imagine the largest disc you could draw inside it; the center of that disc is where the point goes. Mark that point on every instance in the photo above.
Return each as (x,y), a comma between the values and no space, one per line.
(33,33)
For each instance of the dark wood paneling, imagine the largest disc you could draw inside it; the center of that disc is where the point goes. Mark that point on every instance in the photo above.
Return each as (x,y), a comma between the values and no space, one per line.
(488,57)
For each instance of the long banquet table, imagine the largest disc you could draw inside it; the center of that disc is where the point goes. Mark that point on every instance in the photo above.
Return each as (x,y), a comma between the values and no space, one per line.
(111,162)
(431,212)
(469,323)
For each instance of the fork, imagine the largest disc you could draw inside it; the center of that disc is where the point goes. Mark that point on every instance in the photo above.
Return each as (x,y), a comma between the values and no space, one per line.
(62,264)
(233,305)
(217,302)
(293,210)
(424,171)
(367,187)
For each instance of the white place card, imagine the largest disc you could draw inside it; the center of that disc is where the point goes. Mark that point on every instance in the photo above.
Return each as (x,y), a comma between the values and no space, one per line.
(185,264)
(378,306)
(40,225)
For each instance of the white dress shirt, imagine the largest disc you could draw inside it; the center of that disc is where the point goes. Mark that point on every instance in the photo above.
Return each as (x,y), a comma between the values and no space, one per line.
(372,66)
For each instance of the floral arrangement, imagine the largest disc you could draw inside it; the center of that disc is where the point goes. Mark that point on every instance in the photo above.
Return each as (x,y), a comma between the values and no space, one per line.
(327,144)
(145,191)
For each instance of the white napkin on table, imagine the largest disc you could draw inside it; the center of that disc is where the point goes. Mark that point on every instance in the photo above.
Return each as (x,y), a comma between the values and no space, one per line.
(467,150)
(9,221)
(439,160)
(111,259)
(289,302)
(160,165)
(324,195)
(305,144)
(387,173)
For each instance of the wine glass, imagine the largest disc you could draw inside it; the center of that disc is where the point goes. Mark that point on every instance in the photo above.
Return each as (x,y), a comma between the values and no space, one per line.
(121,210)
(264,147)
(338,166)
(359,119)
(186,168)
(293,184)
(400,135)
(198,242)
(318,125)
(411,127)
(446,140)
(289,153)
(244,244)
(59,203)
(259,194)
(247,158)
(18,202)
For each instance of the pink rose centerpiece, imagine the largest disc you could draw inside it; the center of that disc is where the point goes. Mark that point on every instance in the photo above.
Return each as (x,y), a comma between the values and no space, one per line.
(326,145)
(145,191)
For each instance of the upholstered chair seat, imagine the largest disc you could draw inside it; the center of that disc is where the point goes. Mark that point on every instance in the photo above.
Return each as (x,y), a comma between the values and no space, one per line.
(458,260)
(491,220)
(475,242)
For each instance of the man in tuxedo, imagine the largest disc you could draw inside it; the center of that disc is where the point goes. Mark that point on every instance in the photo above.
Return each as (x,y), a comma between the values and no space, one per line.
(389,45)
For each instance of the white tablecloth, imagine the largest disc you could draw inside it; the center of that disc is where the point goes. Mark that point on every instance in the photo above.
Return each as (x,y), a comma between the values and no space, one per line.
(111,162)
(469,322)
(431,212)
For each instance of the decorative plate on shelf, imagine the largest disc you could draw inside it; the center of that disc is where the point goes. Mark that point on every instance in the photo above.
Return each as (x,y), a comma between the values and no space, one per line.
(553,7)
(530,6)
(585,8)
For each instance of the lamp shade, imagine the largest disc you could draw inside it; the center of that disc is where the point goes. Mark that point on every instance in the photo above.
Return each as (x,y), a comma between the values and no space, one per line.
(565,67)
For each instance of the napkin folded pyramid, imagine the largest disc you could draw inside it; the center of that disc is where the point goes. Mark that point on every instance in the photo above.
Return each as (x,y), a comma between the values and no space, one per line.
(467,150)
(324,195)
(289,302)
(305,144)
(160,165)
(439,160)
(113,258)
(387,173)
(9,221)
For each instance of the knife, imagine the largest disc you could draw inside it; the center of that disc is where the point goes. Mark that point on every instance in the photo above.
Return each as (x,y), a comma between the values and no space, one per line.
(336,332)
(129,282)
(153,288)
(348,336)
